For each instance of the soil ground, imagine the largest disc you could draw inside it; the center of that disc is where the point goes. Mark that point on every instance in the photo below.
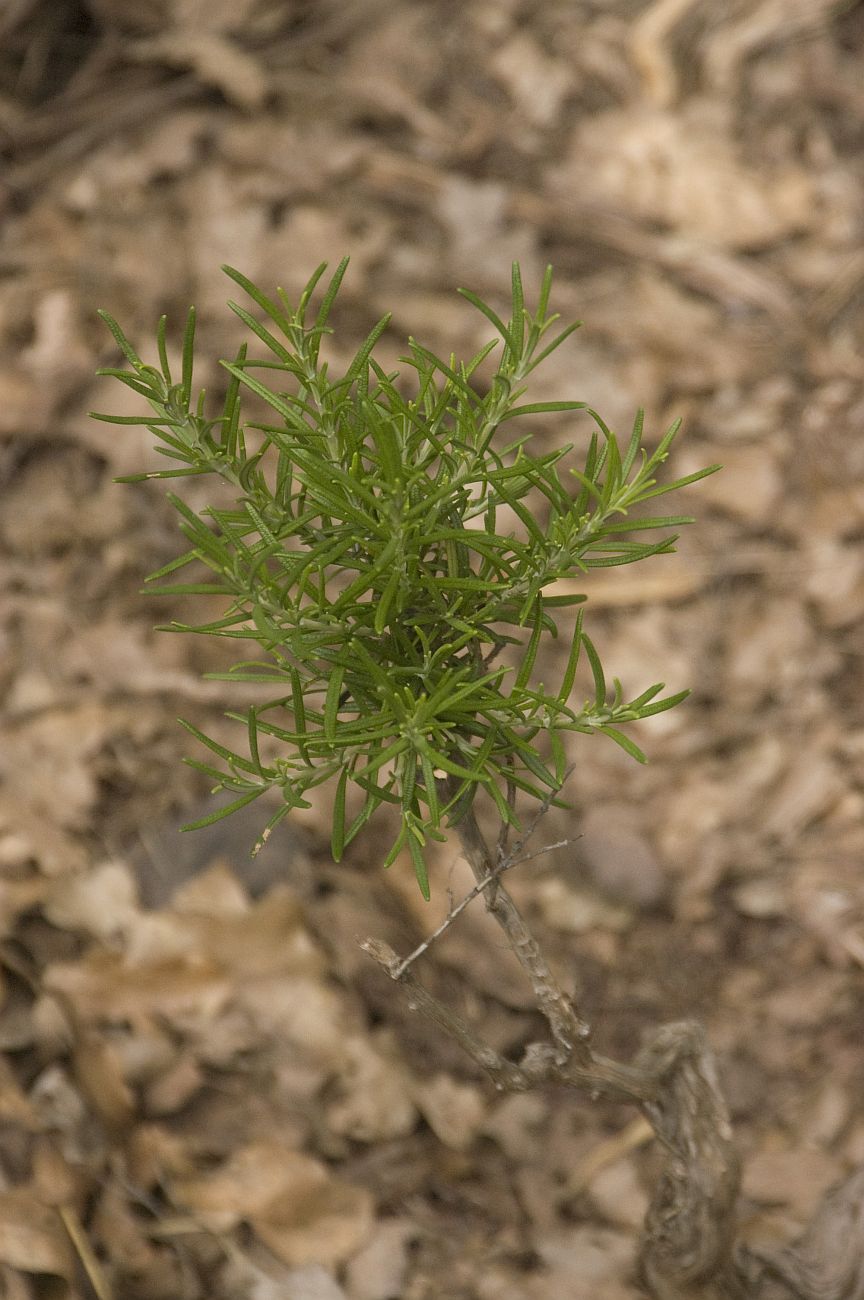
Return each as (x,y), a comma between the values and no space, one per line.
(206,1090)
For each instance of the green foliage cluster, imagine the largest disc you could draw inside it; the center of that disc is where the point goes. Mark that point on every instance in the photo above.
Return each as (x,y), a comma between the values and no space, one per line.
(383,549)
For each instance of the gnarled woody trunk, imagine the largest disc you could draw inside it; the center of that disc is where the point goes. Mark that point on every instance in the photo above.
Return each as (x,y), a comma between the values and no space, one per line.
(689,1248)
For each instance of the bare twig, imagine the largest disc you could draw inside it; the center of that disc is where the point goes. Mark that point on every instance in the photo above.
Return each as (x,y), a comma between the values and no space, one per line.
(570,1030)
(540,1065)
(504,1074)
(489,883)
(458,908)
(85,1252)
(650,49)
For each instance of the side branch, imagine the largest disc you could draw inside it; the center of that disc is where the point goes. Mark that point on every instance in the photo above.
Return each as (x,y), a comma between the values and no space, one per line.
(504,865)
(690,1222)
(690,1225)
(504,1074)
(688,1252)
(539,1066)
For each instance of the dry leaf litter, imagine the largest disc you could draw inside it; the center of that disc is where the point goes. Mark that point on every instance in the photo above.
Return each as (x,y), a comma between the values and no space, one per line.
(206,1090)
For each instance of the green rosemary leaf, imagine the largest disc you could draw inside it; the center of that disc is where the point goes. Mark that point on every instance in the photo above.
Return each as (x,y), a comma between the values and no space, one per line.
(383,543)
(596,671)
(220,813)
(625,743)
(337,839)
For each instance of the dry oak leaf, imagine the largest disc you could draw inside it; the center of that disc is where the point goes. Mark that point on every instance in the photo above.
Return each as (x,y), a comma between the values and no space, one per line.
(48,768)
(99,1075)
(15,1107)
(454,1111)
(267,939)
(795,1178)
(215,60)
(378,1270)
(293,1203)
(32,1236)
(682,169)
(102,986)
(375,1092)
(102,901)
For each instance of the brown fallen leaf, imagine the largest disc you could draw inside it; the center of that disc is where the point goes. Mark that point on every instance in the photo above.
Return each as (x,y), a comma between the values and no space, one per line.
(32,1236)
(14,1285)
(301,1012)
(242,1187)
(685,170)
(101,901)
(101,985)
(55,1179)
(377,1271)
(60,744)
(120,1232)
(271,1279)
(18,896)
(99,1075)
(154,1156)
(267,938)
(575,910)
(320,1220)
(813,784)
(214,892)
(516,1124)
(588,1258)
(454,1111)
(750,486)
(375,1099)
(15,1107)
(619,1196)
(214,59)
(790,1178)
(537,83)
(172,1090)
(296,1207)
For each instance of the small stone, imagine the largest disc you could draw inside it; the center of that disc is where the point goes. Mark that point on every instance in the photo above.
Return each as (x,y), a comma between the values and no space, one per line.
(15,851)
(577,911)
(760,899)
(312,1283)
(619,858)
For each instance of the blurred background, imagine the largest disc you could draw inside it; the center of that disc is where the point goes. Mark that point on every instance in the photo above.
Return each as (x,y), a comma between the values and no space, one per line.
(206,1090)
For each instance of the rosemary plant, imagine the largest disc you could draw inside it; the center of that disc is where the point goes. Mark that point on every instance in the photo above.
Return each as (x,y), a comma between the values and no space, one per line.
(383,548)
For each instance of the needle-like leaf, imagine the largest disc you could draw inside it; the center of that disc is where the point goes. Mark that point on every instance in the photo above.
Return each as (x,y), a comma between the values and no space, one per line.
(381,541)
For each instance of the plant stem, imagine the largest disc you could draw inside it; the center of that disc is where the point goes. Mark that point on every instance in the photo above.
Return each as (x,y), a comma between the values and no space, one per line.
(570,1031)
(688,1248)
(690,1226)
